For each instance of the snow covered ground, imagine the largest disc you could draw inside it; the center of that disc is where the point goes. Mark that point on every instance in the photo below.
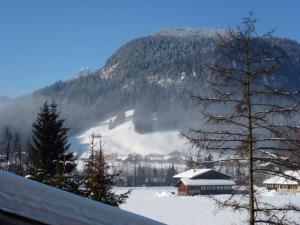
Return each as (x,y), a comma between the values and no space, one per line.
(161,204)
(123,139)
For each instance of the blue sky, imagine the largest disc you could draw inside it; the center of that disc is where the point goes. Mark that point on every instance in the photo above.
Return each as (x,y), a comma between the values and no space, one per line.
(45,41)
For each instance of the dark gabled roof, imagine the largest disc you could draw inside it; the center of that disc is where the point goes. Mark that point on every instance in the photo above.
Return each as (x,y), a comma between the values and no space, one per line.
(191,173)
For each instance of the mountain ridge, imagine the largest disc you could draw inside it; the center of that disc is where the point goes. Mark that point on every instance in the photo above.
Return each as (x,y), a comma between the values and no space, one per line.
(152,74)
(189,32)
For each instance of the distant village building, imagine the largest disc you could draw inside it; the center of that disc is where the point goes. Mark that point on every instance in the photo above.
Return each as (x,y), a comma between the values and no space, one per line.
(291,183)
(203,182)
(112,157)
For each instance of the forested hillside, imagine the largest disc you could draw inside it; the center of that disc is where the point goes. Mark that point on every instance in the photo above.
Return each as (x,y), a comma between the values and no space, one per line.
(152,74)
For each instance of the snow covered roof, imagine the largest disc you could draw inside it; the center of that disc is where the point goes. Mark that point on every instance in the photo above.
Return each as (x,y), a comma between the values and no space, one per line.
(267,164)
(209,182)
(50,205)
(191,173)
(283,180)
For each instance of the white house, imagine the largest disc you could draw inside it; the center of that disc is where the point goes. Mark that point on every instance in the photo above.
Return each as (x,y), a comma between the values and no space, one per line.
(282,183)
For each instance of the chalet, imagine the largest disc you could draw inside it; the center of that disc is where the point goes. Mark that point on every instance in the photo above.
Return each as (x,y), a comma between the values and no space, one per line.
(203,182)
(26,202)
(289,183)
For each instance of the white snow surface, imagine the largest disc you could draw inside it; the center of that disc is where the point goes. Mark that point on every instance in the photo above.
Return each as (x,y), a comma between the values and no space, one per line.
(191,173)
(162,204)
(196,182)
(124,140)
(50,205)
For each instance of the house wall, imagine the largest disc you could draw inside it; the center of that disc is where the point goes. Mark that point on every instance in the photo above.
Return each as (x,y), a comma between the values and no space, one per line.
(284,187)
(182,189)
(209,190)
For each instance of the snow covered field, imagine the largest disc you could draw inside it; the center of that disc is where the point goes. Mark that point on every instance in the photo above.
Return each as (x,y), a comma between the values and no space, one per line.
(157,202)
(160,204)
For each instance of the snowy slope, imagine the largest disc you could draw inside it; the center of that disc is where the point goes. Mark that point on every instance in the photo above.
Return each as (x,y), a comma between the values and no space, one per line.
(123,139)
(50,205)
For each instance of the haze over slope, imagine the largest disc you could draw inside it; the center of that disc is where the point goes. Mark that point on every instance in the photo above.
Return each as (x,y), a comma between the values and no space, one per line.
(124,140)
(151,74)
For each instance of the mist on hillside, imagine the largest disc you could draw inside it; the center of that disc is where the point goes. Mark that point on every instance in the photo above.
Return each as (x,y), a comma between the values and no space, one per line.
(157,84)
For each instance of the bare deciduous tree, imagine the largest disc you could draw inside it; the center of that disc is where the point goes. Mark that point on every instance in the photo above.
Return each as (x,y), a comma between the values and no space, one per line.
(12,155)
(257,120)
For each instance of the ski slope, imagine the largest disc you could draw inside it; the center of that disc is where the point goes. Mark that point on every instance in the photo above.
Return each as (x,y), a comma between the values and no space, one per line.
(124,140)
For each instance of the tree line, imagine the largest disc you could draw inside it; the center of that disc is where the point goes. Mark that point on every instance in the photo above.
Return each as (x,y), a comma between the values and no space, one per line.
(47,159)
(145,175)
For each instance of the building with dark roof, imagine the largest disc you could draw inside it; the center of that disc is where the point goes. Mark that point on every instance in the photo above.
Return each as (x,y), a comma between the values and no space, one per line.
(203,182)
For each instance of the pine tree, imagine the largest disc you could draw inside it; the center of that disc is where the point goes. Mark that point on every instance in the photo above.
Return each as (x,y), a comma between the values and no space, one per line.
(100,178)
(11,152)
(141,176)
(50,161)
(120,118)
(155,176)
(170,173)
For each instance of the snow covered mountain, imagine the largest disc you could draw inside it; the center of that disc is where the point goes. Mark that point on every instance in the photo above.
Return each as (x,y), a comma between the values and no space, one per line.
(151,74)
(189,32)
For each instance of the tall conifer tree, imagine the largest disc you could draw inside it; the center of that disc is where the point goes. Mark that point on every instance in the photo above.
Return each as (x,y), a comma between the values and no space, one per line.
(50,161)
(100,178)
